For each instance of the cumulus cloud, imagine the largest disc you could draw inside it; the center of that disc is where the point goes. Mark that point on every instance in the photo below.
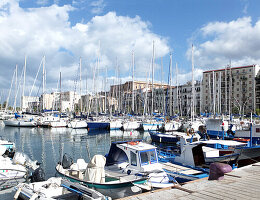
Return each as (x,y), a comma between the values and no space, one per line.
(97,6)
(42,2)
(218,43)
(47,31)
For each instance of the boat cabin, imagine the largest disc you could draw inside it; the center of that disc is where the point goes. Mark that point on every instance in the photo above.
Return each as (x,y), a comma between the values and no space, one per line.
(133,156)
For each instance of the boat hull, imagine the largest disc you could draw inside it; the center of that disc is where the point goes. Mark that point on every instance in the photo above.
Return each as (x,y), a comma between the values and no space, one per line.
(98,125)
(163,138)
(113,189)
(248,155)
(20,123)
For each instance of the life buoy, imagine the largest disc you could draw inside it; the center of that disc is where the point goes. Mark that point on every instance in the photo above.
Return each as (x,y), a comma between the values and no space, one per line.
(133,143)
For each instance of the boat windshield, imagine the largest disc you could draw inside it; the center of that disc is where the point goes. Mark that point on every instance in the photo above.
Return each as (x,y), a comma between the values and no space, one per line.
(148,157)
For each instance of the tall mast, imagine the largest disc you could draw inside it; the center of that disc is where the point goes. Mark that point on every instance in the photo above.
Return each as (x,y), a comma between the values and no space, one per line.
(152,78)
(24,73)
(43,82)
(133,67)
(214,95)
(192,85)
(105,92)
(162,91)
(16,74)
(177,92)
(230,89)
(225,90)
(80,85)
(60,93)
(170,83)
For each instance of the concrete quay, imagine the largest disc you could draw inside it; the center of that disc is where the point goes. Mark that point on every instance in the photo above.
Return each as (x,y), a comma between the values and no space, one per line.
(242,183)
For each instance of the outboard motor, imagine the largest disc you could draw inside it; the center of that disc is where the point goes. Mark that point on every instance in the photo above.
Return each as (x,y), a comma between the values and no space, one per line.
(38,175)
(66,161)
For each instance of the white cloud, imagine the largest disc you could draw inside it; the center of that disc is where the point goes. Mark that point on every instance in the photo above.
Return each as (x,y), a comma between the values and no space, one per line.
(219,42)
(36,32)
(97,6)
(42,2)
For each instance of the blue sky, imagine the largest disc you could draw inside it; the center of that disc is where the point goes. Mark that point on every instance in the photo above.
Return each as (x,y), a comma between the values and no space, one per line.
(64,31)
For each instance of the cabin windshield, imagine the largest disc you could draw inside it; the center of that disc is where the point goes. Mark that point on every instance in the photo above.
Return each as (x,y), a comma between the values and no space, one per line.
(148,157)
(133,158)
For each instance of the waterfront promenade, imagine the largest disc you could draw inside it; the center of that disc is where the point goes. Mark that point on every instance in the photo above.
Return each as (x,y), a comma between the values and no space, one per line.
(242,183)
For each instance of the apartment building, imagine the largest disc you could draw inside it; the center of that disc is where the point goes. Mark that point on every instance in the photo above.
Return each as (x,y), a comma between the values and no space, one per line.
(230,90)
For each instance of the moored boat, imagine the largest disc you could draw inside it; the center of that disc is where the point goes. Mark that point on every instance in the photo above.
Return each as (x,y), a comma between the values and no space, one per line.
(56,188)
(94,175)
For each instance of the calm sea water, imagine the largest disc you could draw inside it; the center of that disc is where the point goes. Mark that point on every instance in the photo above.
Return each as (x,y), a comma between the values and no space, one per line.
(47,144)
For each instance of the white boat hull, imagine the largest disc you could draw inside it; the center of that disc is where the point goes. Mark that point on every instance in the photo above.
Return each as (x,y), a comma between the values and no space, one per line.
(20,123)
(131,125)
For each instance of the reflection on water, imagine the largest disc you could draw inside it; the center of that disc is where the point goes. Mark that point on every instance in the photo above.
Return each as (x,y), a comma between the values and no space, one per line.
(46,144)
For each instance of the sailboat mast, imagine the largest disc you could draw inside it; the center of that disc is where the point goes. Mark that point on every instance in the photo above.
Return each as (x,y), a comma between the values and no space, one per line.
(177,89)
(133,67)
(192,85)
(43,82)
(152,78)
(24,72)
(170,83)
(16,86)
(80,85)
(60,93)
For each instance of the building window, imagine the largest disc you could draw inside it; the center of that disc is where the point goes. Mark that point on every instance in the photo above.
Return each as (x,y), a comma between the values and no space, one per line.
(250,82)
(237,89)
(250,76)
(250,94)
(257,130)
(237,95)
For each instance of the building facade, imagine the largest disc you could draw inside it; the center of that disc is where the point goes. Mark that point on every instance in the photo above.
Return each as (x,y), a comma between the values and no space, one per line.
(230,90)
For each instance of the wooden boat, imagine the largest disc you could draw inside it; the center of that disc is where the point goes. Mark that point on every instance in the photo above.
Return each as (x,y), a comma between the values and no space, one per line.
(94,175)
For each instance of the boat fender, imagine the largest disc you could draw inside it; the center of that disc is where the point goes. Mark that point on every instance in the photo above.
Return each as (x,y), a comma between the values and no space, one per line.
(128,172)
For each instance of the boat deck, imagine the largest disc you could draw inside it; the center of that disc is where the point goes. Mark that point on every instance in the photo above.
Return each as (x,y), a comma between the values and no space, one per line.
(180,169)
(242,183)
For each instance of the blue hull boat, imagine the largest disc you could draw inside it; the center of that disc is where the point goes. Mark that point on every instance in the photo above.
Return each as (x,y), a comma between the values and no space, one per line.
(98,125)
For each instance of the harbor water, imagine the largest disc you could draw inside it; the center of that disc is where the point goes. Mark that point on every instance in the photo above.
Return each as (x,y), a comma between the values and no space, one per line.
(46,145)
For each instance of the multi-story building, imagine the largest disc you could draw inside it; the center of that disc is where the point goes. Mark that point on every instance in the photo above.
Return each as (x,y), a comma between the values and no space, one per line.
(230,90)
(257,92)
(142,96)
(29,103)
(64,101)
(182,101)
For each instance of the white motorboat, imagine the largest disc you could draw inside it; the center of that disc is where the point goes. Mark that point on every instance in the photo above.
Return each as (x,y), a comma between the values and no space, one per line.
(57,188)
(15,168)
(140,159)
